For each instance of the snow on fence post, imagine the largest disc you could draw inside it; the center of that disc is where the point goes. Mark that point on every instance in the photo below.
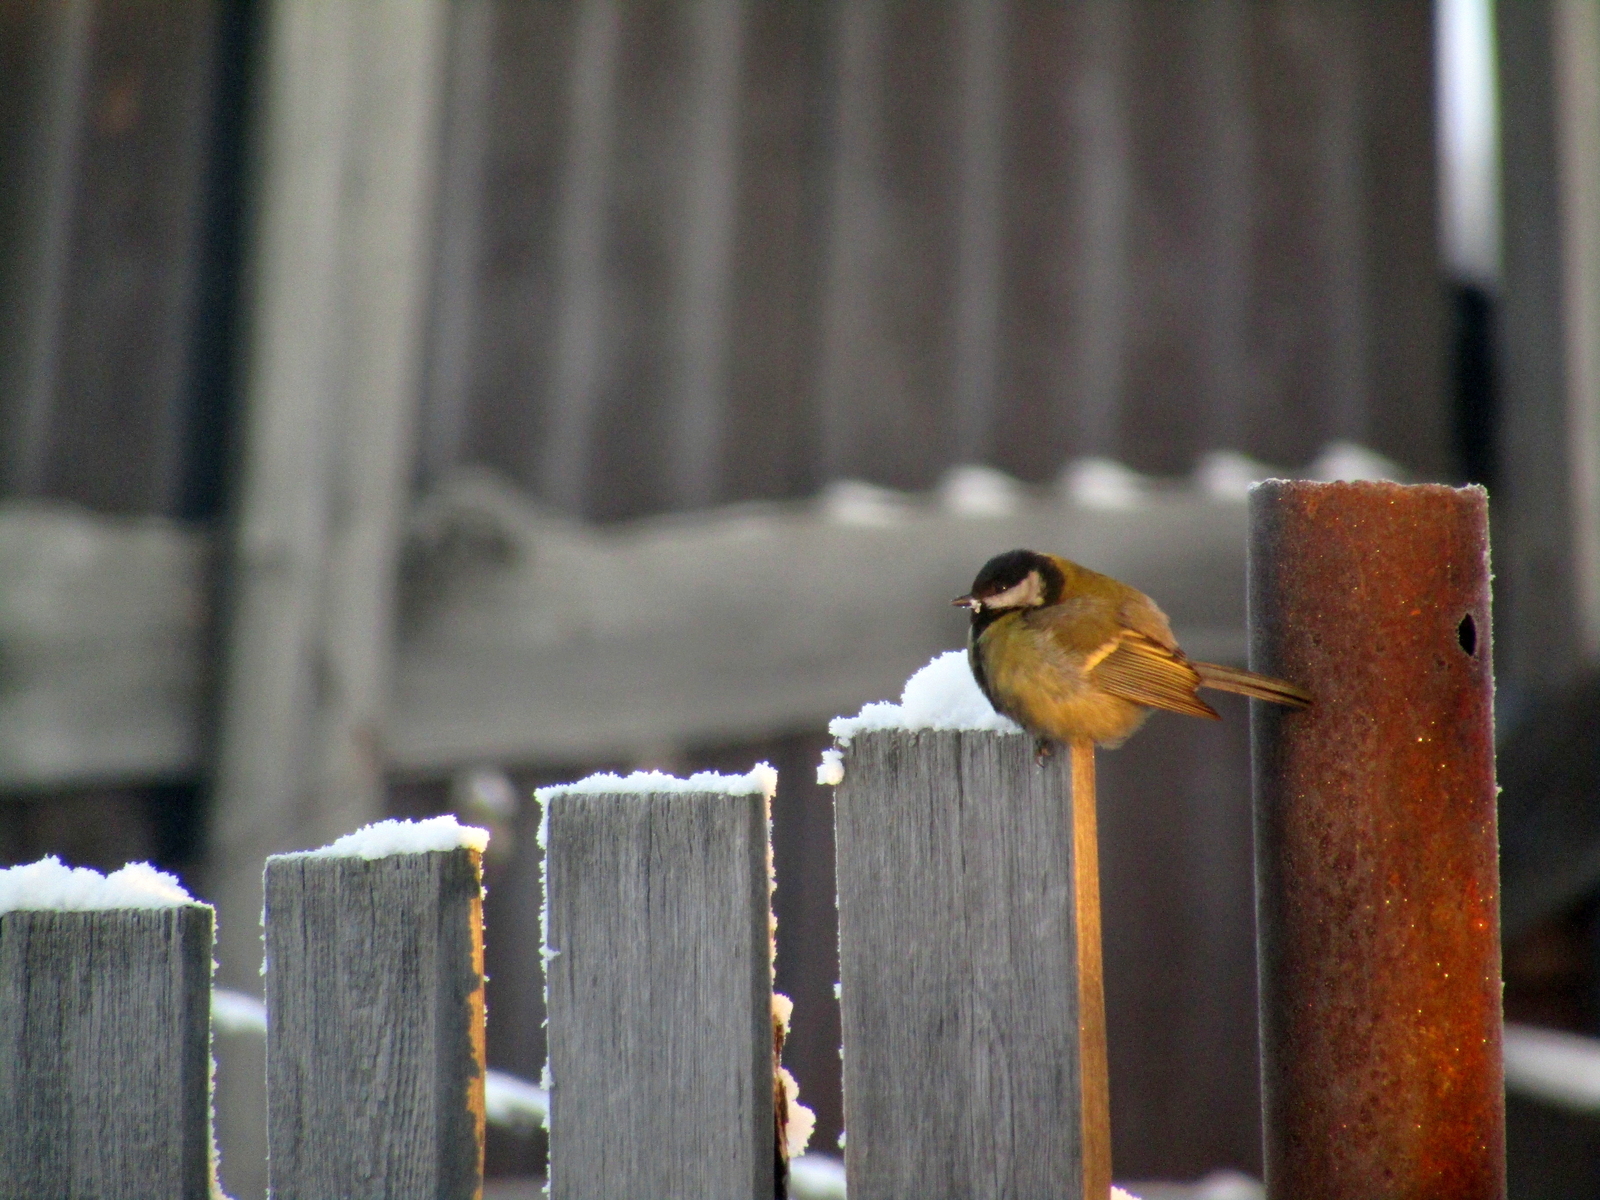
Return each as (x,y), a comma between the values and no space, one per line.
(375,1031)
(658,950)
(974,1065)
(1378,919)
(105,1035)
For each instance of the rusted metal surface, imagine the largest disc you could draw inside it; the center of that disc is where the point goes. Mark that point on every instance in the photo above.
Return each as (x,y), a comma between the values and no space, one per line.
(1376,870)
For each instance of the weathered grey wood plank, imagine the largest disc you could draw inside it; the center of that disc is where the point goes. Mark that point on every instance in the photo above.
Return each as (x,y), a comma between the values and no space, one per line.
(105,1035)
(375,1050)
(958,956)
(102,628)
(660,996)
(348,141)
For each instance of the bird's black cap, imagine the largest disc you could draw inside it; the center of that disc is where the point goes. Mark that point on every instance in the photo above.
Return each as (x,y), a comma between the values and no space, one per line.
(1011,568)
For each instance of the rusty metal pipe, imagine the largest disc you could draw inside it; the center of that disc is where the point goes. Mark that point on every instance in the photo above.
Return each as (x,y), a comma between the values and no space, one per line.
(1377,886)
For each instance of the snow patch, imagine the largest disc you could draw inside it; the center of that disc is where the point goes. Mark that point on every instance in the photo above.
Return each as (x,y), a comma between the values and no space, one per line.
(1103,483)
(1555,1066)
(972,490)
(50,885)
(761,778)
(942,695)
(856,502)
(830,771)
(1347,462)
(237,1012)
(801,1122)
(1228,475)
(383,838)
(816,1177)
(513,1103)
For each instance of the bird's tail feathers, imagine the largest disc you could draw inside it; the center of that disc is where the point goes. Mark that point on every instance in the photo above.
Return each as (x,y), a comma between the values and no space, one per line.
(1248,683)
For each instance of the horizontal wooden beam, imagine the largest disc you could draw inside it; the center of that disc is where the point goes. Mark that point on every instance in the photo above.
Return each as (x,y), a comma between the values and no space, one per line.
(101,646)
(526,637)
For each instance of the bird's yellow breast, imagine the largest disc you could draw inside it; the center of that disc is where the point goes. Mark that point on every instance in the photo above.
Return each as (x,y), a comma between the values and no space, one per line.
(1041,680)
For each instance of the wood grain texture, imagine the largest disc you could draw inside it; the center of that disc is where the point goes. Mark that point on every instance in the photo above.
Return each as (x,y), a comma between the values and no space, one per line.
(958,960)
(375,1026)
(103,620)
(660,997)
(104,1054)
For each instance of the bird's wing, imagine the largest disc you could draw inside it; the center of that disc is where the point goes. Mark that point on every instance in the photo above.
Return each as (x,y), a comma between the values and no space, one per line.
(1142,615)
(1139,668)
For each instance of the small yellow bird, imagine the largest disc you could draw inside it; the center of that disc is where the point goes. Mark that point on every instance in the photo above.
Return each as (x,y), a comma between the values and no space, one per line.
(1068,653)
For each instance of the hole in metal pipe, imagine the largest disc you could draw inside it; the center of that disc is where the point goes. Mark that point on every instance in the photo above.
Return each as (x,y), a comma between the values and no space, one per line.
(1467,634)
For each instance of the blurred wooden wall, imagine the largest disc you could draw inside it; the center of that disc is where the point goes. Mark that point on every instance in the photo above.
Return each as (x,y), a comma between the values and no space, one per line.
(120,153)
(695,252)
(712,251)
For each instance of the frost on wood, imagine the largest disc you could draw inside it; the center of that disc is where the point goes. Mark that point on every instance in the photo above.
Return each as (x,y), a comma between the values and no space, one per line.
(830,771)
(943,695)
(48,884)
(235,1012)
(799,1122)
(761,779)
(514,1103)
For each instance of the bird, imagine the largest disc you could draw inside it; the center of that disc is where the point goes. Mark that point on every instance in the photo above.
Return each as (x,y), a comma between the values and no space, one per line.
(1070,654)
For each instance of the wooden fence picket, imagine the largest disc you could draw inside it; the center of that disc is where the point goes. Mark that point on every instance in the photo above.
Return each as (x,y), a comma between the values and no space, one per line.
(105,1036)
(375,1034)
(965,1070)
(658,942)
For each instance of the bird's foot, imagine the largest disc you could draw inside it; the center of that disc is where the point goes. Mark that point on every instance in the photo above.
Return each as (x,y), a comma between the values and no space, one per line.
(1042,750)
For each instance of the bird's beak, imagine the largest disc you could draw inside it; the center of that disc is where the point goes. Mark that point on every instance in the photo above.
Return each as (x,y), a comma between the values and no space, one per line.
(968,602)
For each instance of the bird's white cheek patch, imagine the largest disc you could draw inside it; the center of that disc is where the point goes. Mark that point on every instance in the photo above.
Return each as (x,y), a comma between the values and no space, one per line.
(1023,595)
